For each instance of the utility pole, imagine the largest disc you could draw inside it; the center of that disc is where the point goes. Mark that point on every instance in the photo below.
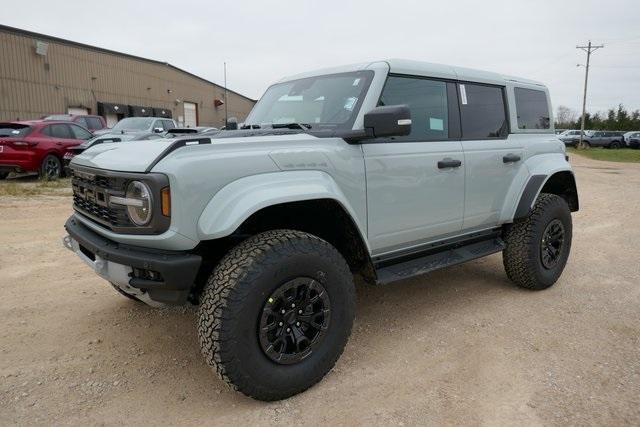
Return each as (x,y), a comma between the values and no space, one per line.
(226,111)
(589,49)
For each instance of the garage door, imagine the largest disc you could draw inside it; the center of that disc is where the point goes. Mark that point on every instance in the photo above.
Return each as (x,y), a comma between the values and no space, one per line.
(190,114)
(78,111)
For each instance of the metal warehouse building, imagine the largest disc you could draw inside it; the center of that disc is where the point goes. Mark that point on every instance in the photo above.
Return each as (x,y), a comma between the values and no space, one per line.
(41,75)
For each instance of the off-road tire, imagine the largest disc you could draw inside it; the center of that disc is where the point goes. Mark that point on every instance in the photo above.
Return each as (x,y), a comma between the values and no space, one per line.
(522,256)
(235,295)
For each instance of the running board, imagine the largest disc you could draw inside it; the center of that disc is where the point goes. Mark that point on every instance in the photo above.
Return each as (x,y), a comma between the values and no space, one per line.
(435,261)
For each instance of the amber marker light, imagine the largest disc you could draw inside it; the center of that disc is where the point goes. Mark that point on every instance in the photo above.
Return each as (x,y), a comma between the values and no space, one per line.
(165,199)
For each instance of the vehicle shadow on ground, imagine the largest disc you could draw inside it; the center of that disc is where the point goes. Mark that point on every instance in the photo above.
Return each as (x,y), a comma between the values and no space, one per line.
(170,337)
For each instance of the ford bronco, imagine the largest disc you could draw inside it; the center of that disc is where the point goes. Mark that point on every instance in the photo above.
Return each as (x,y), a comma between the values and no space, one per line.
(384,170)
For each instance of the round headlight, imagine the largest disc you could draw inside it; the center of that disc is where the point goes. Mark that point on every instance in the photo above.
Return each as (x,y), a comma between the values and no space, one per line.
(140,213)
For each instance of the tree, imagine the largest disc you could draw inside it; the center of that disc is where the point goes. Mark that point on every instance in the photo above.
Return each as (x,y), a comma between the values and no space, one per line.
(565,117)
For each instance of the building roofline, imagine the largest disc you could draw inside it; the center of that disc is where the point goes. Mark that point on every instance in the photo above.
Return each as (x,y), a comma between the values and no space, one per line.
(20,31)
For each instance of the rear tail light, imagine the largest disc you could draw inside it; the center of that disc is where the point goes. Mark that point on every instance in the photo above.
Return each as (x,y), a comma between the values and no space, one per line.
(24,143)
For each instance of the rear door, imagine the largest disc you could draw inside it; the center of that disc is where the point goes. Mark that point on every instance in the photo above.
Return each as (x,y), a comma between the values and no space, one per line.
(415,183)
(492,157)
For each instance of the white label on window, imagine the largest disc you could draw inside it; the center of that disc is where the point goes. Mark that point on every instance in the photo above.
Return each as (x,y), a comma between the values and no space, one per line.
(436,124)
(463,95)
(356,82)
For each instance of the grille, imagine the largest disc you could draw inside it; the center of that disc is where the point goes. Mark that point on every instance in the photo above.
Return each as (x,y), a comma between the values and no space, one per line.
(90,197)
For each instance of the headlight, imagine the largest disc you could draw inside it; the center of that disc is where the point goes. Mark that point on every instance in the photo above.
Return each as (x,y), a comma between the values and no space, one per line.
(140,212)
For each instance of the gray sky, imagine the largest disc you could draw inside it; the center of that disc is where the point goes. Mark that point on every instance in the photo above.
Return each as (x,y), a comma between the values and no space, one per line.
(265,40)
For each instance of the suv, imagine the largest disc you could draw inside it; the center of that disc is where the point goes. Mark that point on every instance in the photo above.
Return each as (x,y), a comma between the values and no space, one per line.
(571,138)
(385,170)
(137,125)
(92,123)
(37,146)
(606,139)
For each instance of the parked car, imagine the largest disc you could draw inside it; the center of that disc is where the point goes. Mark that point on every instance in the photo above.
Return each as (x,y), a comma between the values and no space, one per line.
(132,125)
(571,137)
(37,146)
(386,170)
(629,136)
(92,123)
(608,139)
(634,140)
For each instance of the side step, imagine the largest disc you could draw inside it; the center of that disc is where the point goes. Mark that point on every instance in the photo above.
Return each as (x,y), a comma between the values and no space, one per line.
(437,260)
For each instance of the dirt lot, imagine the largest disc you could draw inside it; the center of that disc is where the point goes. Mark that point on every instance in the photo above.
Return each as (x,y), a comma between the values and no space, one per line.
(459,346)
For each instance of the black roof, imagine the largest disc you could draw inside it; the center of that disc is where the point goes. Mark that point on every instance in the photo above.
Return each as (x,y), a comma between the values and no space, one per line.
(22,32)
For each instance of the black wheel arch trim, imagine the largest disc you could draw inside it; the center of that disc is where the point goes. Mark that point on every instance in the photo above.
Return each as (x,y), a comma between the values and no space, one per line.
(537,184)
(529,195)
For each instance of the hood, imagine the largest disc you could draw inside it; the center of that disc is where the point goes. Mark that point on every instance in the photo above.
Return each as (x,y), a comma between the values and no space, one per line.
(134,156)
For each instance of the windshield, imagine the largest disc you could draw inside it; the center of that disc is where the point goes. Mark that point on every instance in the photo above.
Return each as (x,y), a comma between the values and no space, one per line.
(14,129)
(330,101)
(133,123)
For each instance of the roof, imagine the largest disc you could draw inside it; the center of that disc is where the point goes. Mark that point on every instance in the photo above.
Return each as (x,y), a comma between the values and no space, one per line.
(19,31)
(421,68)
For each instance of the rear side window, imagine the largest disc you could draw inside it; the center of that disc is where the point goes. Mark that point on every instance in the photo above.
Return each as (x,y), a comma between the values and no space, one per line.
(482,112)
(532,109)
(427,100)
(58,131)
(14,130)
(80,133)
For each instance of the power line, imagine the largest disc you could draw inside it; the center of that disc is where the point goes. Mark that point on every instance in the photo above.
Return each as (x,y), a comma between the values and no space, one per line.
(589,49)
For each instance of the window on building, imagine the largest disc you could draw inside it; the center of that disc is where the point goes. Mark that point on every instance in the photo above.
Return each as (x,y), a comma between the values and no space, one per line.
(532,109)
(482,112)
(427,100)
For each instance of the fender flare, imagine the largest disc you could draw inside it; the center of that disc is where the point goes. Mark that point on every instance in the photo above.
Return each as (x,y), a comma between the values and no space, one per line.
(240,199)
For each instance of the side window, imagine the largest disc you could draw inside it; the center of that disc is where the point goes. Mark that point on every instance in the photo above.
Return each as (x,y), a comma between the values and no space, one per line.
(59,131)
(532,109)
(427,100)
(482,111)
(82,121)
(93,123)
(158,124)
(80,133)
(168,125)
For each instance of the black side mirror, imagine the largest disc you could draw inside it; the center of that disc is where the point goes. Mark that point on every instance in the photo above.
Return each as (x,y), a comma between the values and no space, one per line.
(232,124)
(392,120)
(158,130)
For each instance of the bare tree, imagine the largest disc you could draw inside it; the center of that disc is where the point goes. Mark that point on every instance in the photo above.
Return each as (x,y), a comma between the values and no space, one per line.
(565,115)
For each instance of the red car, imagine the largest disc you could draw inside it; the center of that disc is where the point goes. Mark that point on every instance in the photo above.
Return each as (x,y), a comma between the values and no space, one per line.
(37,146)
(92,123)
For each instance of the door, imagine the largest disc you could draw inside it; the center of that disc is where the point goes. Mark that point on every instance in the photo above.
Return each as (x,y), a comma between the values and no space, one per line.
(112,119)
(190,115)
(415,183)
(492,157)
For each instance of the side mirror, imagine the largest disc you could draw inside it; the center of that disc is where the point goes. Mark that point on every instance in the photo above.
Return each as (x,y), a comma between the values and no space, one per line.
(392,120)
(158,130)
(232,124)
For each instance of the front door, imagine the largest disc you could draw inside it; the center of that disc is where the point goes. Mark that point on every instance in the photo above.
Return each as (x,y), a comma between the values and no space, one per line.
(415,183)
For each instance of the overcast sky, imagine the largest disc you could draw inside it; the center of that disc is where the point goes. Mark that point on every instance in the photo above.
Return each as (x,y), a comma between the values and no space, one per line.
(265,40)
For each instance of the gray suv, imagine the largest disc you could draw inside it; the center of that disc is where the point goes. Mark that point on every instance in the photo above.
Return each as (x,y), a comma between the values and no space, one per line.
(607,139)
(384,170)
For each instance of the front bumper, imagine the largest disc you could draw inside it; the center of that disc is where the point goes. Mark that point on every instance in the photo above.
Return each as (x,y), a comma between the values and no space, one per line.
(151,275)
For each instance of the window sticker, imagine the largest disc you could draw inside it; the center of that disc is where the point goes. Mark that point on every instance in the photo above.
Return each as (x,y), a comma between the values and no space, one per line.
(463,95)
(350,103)
(356,82)
(436,124)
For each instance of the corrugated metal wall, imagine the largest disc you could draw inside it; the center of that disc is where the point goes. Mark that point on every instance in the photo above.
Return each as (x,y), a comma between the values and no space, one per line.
(32,85)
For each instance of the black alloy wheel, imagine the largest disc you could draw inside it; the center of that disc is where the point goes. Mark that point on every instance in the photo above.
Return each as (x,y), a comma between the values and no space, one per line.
(294,320)
(552,244)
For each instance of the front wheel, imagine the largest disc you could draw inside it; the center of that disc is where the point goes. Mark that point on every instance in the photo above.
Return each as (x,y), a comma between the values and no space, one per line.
(538,246)
(615,145)
(276,314)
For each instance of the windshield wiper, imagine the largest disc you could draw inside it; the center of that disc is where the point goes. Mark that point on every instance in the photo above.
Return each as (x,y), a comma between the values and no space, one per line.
(250,127)
(291,126)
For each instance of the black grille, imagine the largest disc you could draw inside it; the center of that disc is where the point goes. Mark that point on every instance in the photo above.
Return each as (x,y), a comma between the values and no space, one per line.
(90,197)
(103,214)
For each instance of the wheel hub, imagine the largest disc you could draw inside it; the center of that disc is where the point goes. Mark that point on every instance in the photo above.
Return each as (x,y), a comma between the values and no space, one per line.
(294,320)
(552,244)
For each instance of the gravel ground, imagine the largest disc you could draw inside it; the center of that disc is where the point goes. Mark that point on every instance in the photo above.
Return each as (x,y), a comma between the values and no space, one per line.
(458,346)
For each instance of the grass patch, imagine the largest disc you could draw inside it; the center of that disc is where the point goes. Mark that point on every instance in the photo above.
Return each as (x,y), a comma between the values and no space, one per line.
(627,155)
(35,187)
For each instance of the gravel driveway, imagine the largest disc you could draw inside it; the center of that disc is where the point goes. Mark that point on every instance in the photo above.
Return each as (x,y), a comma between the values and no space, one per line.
(458,346)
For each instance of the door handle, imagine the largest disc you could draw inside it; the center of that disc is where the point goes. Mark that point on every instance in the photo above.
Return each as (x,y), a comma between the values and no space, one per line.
(511,158)
(449,163)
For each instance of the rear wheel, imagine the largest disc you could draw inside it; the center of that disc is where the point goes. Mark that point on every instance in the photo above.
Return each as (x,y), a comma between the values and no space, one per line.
(538,246)
(615,145)
(276,314)
(51,167)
